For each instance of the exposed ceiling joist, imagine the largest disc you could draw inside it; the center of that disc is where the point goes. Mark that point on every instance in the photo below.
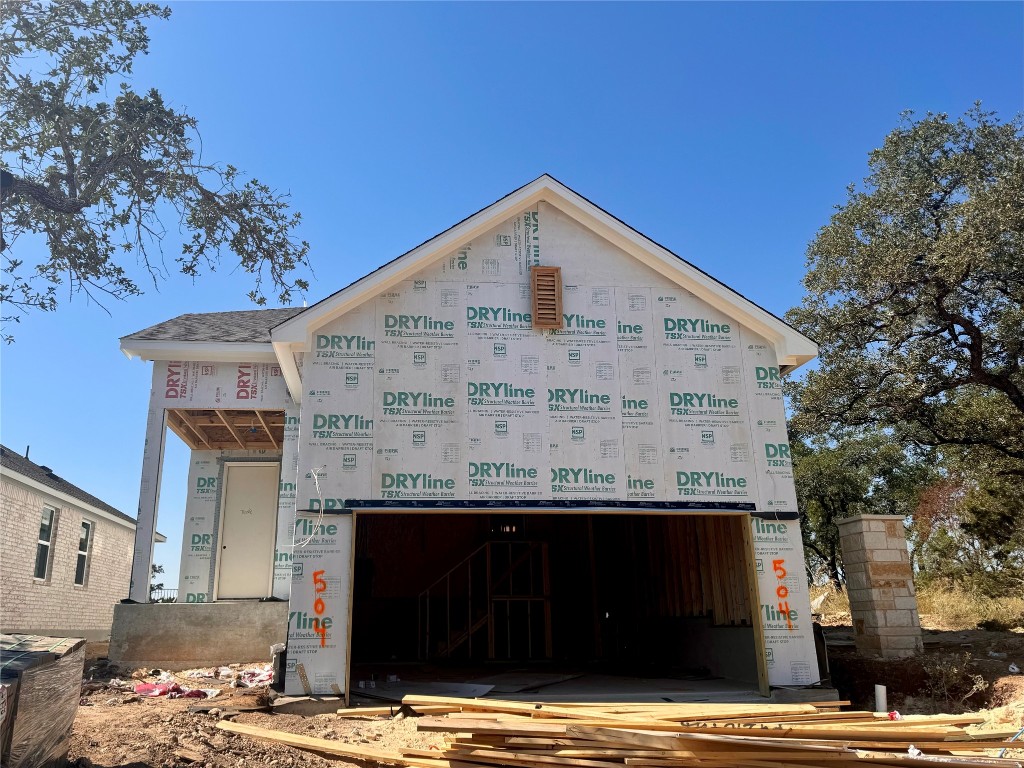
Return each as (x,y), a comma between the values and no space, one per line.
(231,429)
(220,430)
(270,434)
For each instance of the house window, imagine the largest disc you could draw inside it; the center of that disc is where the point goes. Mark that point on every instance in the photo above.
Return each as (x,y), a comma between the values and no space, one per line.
(44,548)
(84,543)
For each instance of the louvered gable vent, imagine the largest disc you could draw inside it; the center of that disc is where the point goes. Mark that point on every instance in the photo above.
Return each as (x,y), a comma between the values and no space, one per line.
(546,287)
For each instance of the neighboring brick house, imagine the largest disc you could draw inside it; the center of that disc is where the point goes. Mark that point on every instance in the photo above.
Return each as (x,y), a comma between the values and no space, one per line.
(65,556)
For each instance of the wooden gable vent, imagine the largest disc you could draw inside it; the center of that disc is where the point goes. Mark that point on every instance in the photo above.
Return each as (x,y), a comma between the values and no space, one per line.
(546,289)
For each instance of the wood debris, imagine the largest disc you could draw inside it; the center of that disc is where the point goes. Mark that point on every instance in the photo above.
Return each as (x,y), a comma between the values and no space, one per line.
(491,732)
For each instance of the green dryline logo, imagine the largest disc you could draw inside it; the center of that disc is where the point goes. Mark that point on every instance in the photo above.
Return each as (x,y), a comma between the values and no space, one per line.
(497,317)
(581,479)
(677,328)
(499,393)
(333,425)
(702,404)
(698,483)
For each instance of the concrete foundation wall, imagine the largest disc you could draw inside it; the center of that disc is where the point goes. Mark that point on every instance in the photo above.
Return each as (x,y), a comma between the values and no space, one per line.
(182,636)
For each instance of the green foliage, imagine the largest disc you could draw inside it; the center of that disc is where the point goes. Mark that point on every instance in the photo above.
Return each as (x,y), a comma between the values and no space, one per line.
(866,472)
(101,177)
(154,571)
(967,535)
(915,293)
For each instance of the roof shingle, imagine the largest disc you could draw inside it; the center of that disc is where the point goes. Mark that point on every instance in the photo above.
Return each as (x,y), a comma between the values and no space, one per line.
(244,326)
(44,475)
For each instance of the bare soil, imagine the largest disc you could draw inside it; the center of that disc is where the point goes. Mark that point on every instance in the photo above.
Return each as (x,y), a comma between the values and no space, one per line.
(119,729)
(123,730)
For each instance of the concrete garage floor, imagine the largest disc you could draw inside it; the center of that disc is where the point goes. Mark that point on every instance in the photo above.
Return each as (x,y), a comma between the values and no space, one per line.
(615,688)
(553,687)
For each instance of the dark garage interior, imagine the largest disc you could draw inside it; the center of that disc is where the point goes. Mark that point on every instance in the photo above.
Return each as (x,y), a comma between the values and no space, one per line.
(635,594)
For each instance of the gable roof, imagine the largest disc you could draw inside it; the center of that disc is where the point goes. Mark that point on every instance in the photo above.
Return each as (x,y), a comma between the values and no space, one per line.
(40,475)
(792,347)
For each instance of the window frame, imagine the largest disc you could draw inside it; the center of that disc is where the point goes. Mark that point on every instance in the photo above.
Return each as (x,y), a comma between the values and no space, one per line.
(86,554)
(48,567)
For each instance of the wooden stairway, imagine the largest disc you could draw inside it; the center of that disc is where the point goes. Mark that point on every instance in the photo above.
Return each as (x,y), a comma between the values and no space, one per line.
(502,587)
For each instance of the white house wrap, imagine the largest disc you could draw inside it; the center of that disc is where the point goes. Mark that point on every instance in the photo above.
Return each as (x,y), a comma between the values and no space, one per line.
(426,385)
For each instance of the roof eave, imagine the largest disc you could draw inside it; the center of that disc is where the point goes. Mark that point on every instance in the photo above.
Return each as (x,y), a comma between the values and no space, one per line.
(65,498)
(214,351)
(285,356)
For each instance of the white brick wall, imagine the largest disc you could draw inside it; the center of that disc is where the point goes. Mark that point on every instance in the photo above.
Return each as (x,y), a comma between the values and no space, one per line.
(57,606)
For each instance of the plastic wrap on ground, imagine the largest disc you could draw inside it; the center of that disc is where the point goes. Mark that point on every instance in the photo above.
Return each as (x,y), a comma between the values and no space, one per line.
(48,698)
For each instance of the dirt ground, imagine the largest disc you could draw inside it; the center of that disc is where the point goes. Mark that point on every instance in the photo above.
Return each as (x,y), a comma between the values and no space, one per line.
(119,729)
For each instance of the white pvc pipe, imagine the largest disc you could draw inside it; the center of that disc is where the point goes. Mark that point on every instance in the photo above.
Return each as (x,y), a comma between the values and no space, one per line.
(881,700)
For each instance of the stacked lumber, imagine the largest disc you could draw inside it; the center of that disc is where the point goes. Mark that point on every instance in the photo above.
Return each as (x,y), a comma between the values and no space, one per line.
(486,732)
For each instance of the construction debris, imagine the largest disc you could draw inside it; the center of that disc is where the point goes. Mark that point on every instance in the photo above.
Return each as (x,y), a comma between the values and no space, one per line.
(174,691)
(486,732)
(252,677)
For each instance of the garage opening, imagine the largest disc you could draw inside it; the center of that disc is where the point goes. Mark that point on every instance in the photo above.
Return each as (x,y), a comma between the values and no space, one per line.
(648,595)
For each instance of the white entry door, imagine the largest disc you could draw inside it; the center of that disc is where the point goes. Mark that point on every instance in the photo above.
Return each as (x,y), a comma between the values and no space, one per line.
(248,514)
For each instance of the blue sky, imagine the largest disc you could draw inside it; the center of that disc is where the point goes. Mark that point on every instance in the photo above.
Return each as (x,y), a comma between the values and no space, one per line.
(725,131)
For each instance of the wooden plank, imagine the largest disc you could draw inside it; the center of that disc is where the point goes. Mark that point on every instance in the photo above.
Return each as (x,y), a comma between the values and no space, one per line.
(512,707)
(675,741)
(238,418)
(734,570)
(697,710)
(175,415)
(361,751)
(465,725)
(669,735)
(259,415)
(750,563)
(394,709)
(696,591)
(234,432)
(502,757)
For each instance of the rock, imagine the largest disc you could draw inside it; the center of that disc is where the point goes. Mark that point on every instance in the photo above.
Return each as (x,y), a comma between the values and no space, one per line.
(188,756)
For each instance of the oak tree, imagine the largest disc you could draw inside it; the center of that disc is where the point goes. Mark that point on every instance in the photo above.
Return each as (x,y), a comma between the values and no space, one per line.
(102,171)
(915,293)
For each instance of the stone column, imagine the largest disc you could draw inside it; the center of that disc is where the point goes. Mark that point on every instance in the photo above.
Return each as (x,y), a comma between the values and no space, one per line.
(880,583)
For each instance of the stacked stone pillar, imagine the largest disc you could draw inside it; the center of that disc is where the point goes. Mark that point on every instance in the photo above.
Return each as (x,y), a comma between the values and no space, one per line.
(880,583)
